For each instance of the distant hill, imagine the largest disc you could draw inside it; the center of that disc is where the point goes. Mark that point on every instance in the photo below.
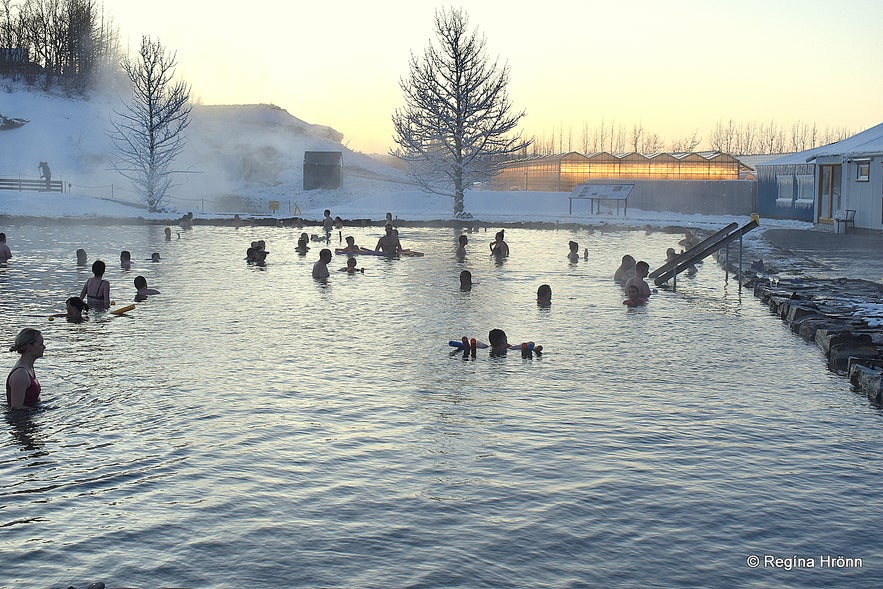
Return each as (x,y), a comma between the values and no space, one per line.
(243,154)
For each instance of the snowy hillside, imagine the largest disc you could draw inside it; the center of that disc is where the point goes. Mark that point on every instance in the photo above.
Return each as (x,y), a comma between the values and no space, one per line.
(237,157)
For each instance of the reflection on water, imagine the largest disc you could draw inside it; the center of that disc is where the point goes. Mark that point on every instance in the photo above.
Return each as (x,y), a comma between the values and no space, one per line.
(250,425)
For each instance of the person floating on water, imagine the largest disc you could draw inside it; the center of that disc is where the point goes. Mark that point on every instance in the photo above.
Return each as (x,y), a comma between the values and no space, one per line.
(96,291)
(499,345)
(22,387)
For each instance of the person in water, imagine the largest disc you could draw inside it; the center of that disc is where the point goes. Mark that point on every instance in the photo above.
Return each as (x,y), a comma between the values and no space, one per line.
(81,257)
(351,266)
(573,255)
(642,269)
(141,289)
(327,225)
(465,280)
(671,256)
(389,244)
(633,297)
(338,225)
(499,344)
(320,268)
(626,269)
(498,246)
(75,306)
(461,247)
(5,252)
(544,295)
(303,244)
(22,386)
(126,260)
(351,245)
(96,291)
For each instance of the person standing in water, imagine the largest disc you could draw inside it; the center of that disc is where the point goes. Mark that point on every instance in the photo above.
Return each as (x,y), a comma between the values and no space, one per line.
(320,268)
(96,291)
(573,255)
(5,252)
(389,244)
(22,387)
(461,247)
(327,225)
(498,246)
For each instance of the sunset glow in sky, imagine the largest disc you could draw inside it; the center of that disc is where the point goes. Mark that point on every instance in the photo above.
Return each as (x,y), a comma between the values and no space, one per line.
(673,67)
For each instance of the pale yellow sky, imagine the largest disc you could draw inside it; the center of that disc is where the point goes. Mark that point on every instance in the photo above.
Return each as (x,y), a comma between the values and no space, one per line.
(673,67)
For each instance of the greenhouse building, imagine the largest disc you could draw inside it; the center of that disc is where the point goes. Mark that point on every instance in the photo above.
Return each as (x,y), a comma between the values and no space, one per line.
(561,172)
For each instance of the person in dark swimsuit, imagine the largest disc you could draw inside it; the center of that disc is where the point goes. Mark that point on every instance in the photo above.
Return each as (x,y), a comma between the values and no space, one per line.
(96,291)
(22,386)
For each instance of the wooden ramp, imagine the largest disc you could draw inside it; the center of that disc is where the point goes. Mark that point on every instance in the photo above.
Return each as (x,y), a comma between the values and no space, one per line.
(700,251)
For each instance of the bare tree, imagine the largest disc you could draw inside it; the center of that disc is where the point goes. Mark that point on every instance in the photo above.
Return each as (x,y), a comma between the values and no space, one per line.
(637,137)
(149,134)
(62,40)
(686,144)
(723,136)
(457,123)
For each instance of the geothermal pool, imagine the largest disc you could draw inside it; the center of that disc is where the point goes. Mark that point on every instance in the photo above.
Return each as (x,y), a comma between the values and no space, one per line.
(251,427)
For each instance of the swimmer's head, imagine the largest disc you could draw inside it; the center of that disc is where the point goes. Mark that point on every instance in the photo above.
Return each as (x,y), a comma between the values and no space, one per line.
(631,292)
(497,338)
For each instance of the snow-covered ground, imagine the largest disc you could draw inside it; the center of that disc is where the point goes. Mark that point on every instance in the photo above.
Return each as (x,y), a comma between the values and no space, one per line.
(238,159)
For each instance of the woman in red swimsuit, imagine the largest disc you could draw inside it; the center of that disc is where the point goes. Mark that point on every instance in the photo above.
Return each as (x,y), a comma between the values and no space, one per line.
(22,386)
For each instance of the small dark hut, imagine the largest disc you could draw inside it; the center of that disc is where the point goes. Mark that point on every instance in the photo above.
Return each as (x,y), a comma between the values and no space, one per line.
(323,169)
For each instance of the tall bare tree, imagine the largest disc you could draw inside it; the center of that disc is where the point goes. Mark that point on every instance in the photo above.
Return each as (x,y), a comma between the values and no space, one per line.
(457,124)
(149,134)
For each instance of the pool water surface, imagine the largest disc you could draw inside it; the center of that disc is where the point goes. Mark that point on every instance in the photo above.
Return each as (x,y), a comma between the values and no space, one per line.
(253,427)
